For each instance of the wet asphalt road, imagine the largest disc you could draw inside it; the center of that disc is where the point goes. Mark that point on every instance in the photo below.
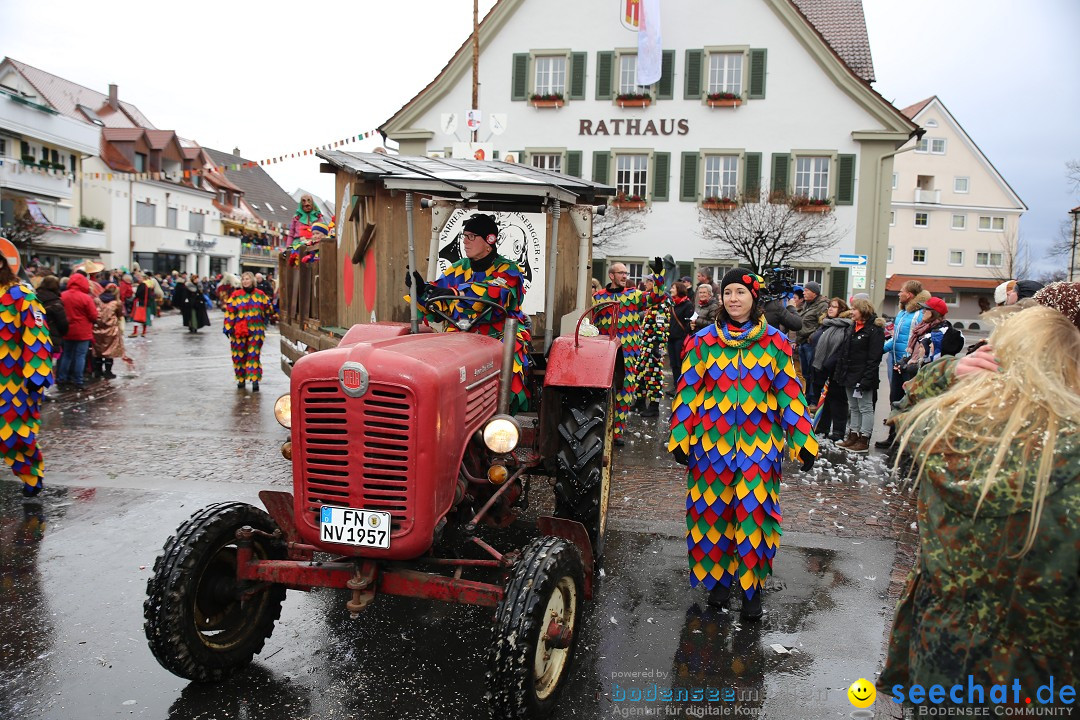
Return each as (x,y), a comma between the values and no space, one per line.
(128,463)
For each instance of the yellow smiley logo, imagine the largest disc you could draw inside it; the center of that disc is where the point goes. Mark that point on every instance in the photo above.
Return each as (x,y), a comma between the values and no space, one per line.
(861,693)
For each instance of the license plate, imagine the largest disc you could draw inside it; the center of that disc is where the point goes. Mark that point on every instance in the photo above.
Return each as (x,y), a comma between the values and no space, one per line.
(348,526)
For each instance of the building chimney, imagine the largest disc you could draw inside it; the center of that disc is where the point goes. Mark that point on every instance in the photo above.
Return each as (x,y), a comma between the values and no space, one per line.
(114,101)
(236,151)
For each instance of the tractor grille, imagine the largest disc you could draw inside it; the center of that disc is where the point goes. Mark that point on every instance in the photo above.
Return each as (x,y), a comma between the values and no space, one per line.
(357,452)
(480,400)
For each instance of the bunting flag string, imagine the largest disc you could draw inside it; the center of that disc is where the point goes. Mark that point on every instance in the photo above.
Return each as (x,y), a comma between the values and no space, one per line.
(59,172)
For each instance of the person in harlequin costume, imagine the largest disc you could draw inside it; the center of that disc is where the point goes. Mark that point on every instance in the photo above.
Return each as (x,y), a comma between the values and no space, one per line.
(737,401)
(25,372)
(247,310)
(654,334)
(625,318)
(483,273)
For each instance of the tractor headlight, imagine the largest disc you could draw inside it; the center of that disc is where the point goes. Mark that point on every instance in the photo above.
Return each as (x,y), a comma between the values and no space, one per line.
(283,410)
(501,434)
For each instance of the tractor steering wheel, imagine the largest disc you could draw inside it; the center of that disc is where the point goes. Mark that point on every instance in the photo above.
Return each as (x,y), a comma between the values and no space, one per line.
(463,325)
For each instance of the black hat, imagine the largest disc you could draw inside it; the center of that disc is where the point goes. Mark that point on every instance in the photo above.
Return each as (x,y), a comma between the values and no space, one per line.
(484,226)
(747,278)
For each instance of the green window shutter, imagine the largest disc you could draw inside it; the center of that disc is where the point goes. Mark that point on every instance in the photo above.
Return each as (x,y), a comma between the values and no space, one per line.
(519,83)
(780,163)
(600,161)
(757,73)
(573,163)
(752,177)
(494,154)
(695,60)
(688,181)
(604,60)
(578,62)
(661,175)
(665,89)
(845,180)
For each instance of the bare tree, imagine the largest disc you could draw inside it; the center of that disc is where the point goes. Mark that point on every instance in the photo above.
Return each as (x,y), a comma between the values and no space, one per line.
(1015,260)
(768,230)
(1051,276)
(616,226)
(1072,175)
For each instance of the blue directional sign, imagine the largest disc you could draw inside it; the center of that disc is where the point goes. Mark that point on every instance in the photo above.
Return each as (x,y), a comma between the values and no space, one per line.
(852,259)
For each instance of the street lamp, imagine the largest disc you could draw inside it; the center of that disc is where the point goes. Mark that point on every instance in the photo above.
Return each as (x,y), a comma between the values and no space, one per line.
(1075,212)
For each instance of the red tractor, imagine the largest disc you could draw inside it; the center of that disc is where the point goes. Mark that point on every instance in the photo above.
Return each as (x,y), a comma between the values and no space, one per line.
(403,457)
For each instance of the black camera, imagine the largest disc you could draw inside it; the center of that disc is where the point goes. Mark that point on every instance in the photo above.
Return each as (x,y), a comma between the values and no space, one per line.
(780,281)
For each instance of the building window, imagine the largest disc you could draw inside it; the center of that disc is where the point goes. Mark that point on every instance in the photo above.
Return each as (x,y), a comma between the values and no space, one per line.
(922,219)
(923,145)
(722,176)
(890,254)
(196,180)
(805,275)
(895,180)
(988,259)
(956,257)
(632,175)
(628,77)
(221,196)
(71,162)
(547,161)
(219,265)
(892,218)
(918,256)
(937,146)
(634,269)
(236,200)
(170,217)
(140,162)
(993,224)
(960,184)
(812,177)
(725,73)
(959,222)
(550,75)
(3,147)
(196,222)
(145,213)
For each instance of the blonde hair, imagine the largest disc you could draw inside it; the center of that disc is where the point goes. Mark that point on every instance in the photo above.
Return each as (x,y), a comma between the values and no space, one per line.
(1021,409)
(864,306)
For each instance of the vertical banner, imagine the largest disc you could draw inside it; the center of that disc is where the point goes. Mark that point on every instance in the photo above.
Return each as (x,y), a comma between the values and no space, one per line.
(522,238)
(650,53)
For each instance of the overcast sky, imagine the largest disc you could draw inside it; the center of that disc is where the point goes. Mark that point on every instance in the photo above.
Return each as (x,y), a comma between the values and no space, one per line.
(272,78)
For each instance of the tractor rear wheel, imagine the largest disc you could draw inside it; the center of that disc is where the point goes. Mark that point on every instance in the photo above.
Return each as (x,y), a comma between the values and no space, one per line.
(583,475)
(536,629)
(196,623)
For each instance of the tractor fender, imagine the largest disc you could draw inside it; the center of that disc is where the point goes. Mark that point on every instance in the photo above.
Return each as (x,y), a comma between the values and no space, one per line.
(591,362)
(373,332)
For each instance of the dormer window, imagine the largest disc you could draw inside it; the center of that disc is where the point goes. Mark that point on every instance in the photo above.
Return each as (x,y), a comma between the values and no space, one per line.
(236,200)
(140,162)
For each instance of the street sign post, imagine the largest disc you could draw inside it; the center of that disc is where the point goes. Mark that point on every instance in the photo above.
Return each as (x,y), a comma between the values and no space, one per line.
(853,259)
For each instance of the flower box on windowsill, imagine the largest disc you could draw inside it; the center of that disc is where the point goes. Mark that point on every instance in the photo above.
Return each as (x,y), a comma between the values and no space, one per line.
(724,102)
(633,101)
(629,204)
(813,208)
(719,205)
(548,103)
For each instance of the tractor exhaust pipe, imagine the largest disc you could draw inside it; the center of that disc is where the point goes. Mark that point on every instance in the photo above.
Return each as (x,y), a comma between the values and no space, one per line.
(414,324)
(507,371)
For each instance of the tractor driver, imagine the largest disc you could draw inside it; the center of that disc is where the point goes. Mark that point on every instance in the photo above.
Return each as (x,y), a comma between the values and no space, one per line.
(483,273)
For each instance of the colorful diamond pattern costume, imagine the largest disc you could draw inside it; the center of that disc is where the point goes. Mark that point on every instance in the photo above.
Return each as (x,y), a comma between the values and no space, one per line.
(626,320)
(253,309)
(737,400)
(654,334)
(504,283)
(25,372)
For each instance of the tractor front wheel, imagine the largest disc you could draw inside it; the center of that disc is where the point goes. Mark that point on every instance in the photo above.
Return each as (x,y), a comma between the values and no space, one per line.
(583,475)
(197,623)
(536,628)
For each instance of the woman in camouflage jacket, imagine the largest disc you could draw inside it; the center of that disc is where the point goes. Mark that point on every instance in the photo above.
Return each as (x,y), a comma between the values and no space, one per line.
(995,590)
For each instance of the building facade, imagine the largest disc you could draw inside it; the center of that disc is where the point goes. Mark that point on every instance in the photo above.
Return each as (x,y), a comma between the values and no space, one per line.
(954,218)
(41,158)
(769,95)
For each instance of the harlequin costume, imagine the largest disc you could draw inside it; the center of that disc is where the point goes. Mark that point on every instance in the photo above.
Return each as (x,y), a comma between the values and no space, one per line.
(246,314)
(654,335)
(494,278)
(25,372)
(626,321)
(737,401)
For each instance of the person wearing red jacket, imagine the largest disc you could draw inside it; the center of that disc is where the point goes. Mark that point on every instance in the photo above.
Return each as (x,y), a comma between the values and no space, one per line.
(81,314)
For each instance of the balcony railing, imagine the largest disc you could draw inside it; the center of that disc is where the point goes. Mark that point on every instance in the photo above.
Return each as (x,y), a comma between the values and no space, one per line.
(261,251)
(928,196)
(34,179)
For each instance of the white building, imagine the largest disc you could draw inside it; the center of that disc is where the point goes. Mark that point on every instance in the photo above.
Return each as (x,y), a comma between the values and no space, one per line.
(41,156)
(955,220)
(804,118)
